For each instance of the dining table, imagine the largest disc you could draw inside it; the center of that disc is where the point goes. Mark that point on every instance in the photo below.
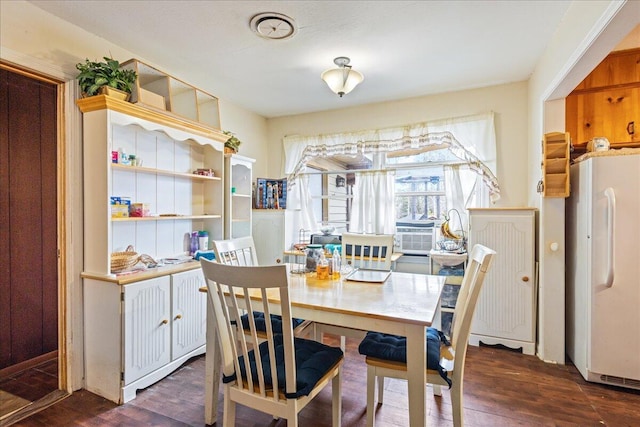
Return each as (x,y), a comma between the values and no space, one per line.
(404,304)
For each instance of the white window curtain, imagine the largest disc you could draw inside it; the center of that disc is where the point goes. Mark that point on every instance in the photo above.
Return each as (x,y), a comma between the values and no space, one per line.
(300,215)
(373,209)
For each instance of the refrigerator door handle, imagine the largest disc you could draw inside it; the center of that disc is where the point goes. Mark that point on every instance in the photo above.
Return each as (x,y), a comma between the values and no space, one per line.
(611,225)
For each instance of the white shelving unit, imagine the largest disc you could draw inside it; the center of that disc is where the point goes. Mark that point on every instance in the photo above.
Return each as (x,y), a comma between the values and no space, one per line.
(238,199)
(141,327)
(506,310)
(180,200)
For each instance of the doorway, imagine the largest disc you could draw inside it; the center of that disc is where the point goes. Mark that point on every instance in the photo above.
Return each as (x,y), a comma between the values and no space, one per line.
(29,272)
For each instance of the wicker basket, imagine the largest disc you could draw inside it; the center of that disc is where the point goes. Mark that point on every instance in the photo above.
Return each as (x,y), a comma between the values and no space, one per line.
(121,261)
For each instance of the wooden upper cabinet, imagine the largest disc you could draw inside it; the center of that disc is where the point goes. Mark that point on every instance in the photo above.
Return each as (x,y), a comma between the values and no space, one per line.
(619,68)
(611,113)
(607,103)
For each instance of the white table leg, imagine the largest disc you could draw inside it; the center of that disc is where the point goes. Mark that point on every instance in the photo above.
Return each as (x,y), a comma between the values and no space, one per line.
(212,370)
(417,374)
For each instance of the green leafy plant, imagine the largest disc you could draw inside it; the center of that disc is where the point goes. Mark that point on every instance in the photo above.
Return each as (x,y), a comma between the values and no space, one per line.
(233,142)
(93,75)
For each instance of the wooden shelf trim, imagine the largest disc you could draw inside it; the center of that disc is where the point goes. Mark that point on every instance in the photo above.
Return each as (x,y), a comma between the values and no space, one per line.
(102,102)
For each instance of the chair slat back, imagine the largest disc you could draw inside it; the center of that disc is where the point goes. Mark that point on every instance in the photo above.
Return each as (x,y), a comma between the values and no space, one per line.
(239,251)
(233,288)
(478,264)
(368,250)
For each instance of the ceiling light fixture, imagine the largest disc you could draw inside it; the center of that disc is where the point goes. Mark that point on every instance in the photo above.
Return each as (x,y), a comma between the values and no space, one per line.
(344,79)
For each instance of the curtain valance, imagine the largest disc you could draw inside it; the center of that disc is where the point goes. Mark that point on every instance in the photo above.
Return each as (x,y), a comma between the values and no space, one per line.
(473,144)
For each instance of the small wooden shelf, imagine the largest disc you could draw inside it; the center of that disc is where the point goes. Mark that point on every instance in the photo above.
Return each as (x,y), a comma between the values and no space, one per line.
(555,164)
(165,172)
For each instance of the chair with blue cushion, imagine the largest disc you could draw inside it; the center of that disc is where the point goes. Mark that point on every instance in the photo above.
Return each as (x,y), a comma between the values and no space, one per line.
(386,355)
(283,373)
(241,251)
(367,251)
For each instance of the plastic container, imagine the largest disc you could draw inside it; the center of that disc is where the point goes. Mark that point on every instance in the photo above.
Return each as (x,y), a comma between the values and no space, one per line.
(193,244)
(313,253)
(336,264)
(203,240)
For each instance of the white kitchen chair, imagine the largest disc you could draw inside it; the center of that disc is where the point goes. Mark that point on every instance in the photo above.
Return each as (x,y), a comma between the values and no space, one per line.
(241,251)
(281,375)
(386,354)
(371,251)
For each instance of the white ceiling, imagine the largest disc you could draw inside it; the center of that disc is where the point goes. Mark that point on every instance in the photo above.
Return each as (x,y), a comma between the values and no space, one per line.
(403,48)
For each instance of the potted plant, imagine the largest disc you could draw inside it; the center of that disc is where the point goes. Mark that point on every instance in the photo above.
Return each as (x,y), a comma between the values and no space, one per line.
(104,77)
(231,145)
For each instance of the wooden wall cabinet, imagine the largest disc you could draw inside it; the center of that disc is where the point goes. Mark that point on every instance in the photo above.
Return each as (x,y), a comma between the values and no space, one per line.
(612,113)
(607,103)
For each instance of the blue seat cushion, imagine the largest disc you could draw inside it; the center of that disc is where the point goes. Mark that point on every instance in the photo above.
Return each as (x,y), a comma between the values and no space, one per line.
(313,361)
(261,325)
(394,348)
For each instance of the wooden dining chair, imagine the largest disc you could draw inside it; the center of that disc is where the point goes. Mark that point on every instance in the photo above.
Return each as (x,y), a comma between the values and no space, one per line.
(282,374)
(367,250)
(370,251)
(386,355)
(241,251)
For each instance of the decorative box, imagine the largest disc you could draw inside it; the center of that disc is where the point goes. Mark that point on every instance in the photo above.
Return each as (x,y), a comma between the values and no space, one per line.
(138,210)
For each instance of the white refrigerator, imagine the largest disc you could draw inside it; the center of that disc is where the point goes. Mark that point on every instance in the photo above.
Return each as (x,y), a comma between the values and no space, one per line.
(603,269)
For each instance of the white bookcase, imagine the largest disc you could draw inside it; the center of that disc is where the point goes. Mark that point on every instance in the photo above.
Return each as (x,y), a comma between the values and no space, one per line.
(140,327)
(238,200)
(506,309)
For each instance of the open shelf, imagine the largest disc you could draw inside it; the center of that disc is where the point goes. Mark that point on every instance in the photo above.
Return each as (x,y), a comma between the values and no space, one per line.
(165,172)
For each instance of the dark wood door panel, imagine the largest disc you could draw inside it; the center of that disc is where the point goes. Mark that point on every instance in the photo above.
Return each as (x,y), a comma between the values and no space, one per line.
(29,215)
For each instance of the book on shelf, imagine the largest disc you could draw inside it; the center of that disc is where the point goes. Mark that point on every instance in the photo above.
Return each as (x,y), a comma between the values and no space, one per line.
(271,193)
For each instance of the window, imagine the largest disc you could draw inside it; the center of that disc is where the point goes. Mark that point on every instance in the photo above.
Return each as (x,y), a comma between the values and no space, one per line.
(420,198)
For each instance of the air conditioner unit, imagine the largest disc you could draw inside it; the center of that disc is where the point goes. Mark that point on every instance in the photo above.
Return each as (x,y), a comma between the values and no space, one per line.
(413,239)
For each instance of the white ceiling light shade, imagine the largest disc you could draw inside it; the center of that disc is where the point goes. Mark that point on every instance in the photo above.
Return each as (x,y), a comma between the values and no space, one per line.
(344,79)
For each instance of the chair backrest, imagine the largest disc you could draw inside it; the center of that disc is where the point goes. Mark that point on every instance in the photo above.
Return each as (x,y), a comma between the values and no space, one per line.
(239,251)
(478,264)
(229,290)
(367,250)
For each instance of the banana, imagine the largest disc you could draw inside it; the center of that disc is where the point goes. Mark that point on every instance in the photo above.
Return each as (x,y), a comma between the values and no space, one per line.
(446,231)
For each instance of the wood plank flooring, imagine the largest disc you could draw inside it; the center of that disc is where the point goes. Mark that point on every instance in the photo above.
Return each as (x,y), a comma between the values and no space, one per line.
(502,388)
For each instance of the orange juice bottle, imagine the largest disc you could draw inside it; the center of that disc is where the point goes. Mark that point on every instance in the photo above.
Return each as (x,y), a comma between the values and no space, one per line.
(322,269)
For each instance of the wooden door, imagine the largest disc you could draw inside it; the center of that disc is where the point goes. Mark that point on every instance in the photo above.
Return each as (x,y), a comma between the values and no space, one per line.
(28,210)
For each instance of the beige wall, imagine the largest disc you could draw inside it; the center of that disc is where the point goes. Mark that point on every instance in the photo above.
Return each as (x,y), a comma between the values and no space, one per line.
(508,102)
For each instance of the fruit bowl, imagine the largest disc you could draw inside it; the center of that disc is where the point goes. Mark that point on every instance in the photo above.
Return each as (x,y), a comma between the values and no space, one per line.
(451,245)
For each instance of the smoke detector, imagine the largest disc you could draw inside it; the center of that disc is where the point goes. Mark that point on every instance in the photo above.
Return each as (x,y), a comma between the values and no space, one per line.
(275,26)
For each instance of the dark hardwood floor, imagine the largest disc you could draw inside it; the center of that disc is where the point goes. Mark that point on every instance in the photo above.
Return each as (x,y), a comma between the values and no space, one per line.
(502,388)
